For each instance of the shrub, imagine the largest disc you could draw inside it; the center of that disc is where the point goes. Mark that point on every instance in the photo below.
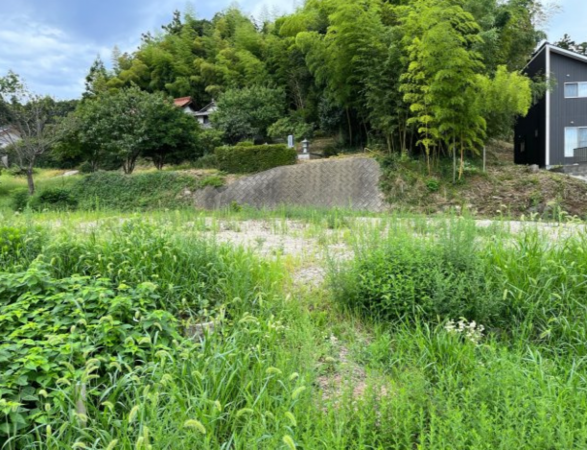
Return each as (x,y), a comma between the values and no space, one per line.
(411,281)
(405,278)
(432,184)
(20,199)
(213,180)
(291,125)
(210,139)
(250,159)
(209,161)
(143,191)
(86,167)
(76,320)
(246,144)
(54,199)
(19,245)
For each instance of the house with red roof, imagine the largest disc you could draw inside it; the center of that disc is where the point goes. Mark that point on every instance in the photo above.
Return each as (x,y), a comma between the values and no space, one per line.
(202,115)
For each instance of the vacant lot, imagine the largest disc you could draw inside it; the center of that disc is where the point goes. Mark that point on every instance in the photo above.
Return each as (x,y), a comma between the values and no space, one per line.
(309,330)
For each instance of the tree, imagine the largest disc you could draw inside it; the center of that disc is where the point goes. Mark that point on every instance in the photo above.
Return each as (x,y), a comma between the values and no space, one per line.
(503,98)
(34,118)
(248,113)
(174,137)
(97,79)
(132,123)
(441,83)
(568,43)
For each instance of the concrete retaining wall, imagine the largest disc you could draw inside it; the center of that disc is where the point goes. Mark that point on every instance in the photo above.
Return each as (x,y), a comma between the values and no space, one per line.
(345,183)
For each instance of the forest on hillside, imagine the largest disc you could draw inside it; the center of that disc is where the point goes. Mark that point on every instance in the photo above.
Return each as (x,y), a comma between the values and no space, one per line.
(431,77)
(370,68)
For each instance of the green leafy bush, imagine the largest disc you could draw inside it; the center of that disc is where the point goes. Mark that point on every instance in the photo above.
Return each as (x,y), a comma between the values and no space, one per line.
(213,180)
(250,159)
(20,199)
(86,167)
(291,125)
(433,185)
(209,139)
(415,280)
(209,161)
(19,245)
(108,311)
(143,191)
(54,199)
(400,277)
(76,320)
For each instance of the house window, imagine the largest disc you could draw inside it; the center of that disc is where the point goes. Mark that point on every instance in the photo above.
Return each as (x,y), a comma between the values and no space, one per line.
(575,137)
(576,90)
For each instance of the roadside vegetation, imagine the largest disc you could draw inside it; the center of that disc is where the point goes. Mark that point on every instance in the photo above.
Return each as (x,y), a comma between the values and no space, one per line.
(153,331)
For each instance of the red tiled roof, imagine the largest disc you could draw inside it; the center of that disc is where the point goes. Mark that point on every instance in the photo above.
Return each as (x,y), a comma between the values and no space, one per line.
(183,101)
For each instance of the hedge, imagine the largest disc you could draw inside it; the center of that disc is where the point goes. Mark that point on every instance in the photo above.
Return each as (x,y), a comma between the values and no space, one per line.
(257,158)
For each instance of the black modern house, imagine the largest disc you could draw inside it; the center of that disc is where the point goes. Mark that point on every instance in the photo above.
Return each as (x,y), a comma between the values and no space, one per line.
(554,133)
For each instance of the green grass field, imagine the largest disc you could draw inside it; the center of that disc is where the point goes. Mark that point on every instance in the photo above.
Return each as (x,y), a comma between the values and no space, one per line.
(44,178)
(295,329)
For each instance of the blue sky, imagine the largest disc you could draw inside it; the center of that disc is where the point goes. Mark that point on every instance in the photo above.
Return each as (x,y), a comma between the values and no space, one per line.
(52,43)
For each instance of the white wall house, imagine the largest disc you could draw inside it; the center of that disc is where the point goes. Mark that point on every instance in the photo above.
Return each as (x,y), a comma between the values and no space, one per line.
(7,136)
(202,115)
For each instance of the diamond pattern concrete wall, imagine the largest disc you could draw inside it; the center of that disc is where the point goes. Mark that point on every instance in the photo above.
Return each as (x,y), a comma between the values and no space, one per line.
(346,183)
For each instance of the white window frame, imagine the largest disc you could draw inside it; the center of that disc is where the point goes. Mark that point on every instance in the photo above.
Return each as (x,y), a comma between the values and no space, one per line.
(577,143)
(578,83)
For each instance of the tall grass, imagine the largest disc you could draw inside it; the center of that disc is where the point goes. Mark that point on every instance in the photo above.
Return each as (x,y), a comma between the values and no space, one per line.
(402,375)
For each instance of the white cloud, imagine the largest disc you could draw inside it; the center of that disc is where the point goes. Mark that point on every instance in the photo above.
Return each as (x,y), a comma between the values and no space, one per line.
(50,61)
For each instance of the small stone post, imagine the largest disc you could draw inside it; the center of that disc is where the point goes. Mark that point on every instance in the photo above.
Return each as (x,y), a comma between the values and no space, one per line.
(305,150)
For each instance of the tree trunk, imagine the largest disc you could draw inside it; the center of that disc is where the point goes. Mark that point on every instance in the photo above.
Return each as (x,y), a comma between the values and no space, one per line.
(462,167)
(30,181)
(348,119)
(129,166)
(454,161)
(159,161)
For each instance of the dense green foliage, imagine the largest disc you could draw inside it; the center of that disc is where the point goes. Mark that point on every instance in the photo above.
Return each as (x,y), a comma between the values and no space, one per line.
(95,350)
(19,245)
(520,292)
(338,65)
(115,191)
(120,127)
(151,190)
(248,113)
(117,317)
(254,158)
(62,199)
(399,282)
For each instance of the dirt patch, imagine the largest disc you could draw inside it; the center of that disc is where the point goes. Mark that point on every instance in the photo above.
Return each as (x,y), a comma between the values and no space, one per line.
(309,277)
(516,191)
(345,377)
(504,189)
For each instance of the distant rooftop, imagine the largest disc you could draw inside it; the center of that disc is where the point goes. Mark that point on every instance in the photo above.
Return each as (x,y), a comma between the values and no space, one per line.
(182,102)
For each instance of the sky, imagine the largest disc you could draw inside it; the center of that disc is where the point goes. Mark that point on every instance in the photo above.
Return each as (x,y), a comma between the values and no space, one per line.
(52,43)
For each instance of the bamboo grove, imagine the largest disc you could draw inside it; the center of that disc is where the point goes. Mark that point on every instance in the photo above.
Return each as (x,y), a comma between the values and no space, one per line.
(439,77)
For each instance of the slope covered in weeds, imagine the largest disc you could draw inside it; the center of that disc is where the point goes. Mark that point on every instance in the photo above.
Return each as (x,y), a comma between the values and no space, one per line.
(146,333)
